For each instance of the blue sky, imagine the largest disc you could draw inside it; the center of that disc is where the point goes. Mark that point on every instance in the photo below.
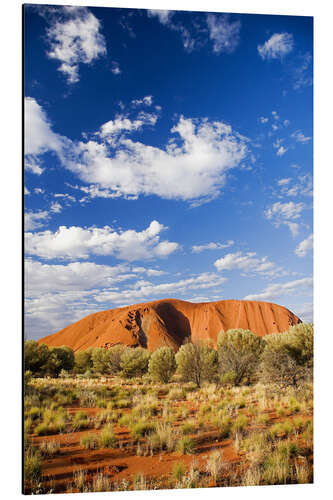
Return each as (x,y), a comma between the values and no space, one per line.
(168,154)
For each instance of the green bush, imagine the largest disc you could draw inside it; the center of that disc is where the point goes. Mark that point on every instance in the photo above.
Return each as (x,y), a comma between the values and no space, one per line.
(288,357)
(83,361)
(141,429)
(162,364)
(196,363)
(185,446)
(107,438)
(239,354)
(134,362)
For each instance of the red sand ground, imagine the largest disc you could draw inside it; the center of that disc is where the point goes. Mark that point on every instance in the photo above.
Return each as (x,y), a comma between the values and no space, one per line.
(169,322)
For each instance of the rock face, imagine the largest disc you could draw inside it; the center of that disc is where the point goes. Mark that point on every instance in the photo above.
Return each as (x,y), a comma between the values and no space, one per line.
(169,322)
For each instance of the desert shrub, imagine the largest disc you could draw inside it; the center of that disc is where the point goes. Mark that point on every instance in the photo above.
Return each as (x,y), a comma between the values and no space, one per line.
(162,364)
(35,356)
(83,361)
(134,362)
(114,358)
(178,471)
(239,354)
(32,466)
(99,357)
(185,446)
(300,340)
(49,448)
(101,482)
(288,357)
(141,429)
(196,363)
(89,441)
(214,464)
(187,428)
(60,358)
(176,394)
(80,421)
(224,427)
(239,424)
(107,438)
(263,419)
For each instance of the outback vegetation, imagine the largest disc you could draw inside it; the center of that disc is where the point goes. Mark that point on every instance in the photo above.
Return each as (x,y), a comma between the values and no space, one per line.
(126,419)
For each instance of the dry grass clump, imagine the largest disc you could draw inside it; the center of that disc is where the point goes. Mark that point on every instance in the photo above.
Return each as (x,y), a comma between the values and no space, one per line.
(101,482)
(49,449)
(214,464)
(107,438)
(89,441)
(185,446)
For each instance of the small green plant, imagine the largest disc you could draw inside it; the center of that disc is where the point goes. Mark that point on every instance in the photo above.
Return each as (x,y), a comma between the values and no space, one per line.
(178,471)
(107,438)
(32,466)
(187,428)
(239,424)
(49,448)
(185,446)
(89,441)
(141,429)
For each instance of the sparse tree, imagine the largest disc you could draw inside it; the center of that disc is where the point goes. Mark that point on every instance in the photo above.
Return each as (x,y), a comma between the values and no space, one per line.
(35,356)
(114,358)
(288,357)
(239,353)
(134,361)
(196,363)
(60,358)
(83,361)
(100,359)
(162,364)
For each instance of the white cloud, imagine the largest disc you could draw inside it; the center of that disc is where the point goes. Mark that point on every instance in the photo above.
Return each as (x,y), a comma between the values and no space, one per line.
(300,137)
(55,207)
(26,191)
(263,119)
(78,243)
(143,290)
(248,263)
(38,135)
(75,39)
(302,74)
(304,246)
(278,46)
(32,164)
(94,191)
(39,190)
(164,16)
(284,182)
(302,186)
(48,310)
(41,278)
(224,34)
(202,152)
(199,151)
(281,151)
(115,68)
(211,246)
(304,312)
(122,123)
(285,213)
(144,101)
(289,210)
(275,291)
(35,220)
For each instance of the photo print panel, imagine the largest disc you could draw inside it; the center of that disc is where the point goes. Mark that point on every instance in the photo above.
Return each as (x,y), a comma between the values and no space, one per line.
(168,328)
